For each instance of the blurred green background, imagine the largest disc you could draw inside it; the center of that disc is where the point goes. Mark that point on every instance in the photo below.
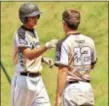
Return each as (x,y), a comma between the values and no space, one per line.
(94,23)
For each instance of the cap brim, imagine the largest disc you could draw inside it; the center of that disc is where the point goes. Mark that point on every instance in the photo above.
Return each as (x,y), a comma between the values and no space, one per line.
(34,14)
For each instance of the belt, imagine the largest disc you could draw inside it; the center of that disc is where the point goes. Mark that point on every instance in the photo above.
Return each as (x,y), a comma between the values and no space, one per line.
(72,82)
(30,74)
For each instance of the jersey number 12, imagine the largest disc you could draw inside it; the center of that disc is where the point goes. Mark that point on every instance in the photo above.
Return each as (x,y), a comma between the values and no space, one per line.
(82,56)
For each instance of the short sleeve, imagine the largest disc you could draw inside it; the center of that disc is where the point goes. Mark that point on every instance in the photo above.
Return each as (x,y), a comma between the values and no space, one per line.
(61,55)
(20,40)
(94,55)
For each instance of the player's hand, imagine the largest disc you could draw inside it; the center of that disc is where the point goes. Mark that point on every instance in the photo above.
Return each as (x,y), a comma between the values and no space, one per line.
(51,63)
(52,43)
(48,61)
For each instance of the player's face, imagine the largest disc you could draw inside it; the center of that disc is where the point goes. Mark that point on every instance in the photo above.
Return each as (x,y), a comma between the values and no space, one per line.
(32,21)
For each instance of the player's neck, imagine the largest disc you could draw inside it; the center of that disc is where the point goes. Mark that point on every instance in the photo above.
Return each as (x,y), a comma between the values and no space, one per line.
(68,32)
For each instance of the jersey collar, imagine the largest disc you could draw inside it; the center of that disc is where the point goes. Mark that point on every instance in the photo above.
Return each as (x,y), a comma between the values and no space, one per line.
(72,33)
(31,30)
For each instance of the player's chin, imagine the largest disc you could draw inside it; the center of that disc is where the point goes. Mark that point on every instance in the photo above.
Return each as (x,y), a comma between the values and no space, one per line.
(34,24)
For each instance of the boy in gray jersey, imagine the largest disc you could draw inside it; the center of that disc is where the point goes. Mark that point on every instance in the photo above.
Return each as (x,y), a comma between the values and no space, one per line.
(27,85)
(75,57)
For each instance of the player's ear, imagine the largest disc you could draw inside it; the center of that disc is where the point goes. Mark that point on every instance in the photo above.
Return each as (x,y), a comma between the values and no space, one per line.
(64,23)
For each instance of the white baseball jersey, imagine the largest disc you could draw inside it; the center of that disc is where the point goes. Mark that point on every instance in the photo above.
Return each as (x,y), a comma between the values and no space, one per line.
(76,51)
(28,39)
(27,90)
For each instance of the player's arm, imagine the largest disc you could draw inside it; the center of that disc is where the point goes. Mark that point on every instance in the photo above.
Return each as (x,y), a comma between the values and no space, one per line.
(62,64)
(61,82)
(29,53)
(33,53)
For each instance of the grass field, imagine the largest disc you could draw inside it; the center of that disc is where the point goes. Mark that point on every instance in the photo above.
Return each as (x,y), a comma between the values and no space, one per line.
(94,23)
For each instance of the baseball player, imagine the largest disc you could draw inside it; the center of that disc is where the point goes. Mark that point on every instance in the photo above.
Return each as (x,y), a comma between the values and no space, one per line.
(75,57)
(27,86)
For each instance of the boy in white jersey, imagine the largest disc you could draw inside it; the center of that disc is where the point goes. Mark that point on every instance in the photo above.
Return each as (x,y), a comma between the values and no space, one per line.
(27,85)
(75,57)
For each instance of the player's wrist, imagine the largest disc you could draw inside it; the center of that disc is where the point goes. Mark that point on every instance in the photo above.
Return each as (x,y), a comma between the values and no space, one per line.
(46,48)
(47,45)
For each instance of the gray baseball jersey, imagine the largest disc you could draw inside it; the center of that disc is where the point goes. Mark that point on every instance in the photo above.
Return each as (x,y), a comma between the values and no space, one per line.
(28,39)
(77,52)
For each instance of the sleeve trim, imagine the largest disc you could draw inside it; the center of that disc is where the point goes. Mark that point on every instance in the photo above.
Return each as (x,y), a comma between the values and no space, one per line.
(57,63)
